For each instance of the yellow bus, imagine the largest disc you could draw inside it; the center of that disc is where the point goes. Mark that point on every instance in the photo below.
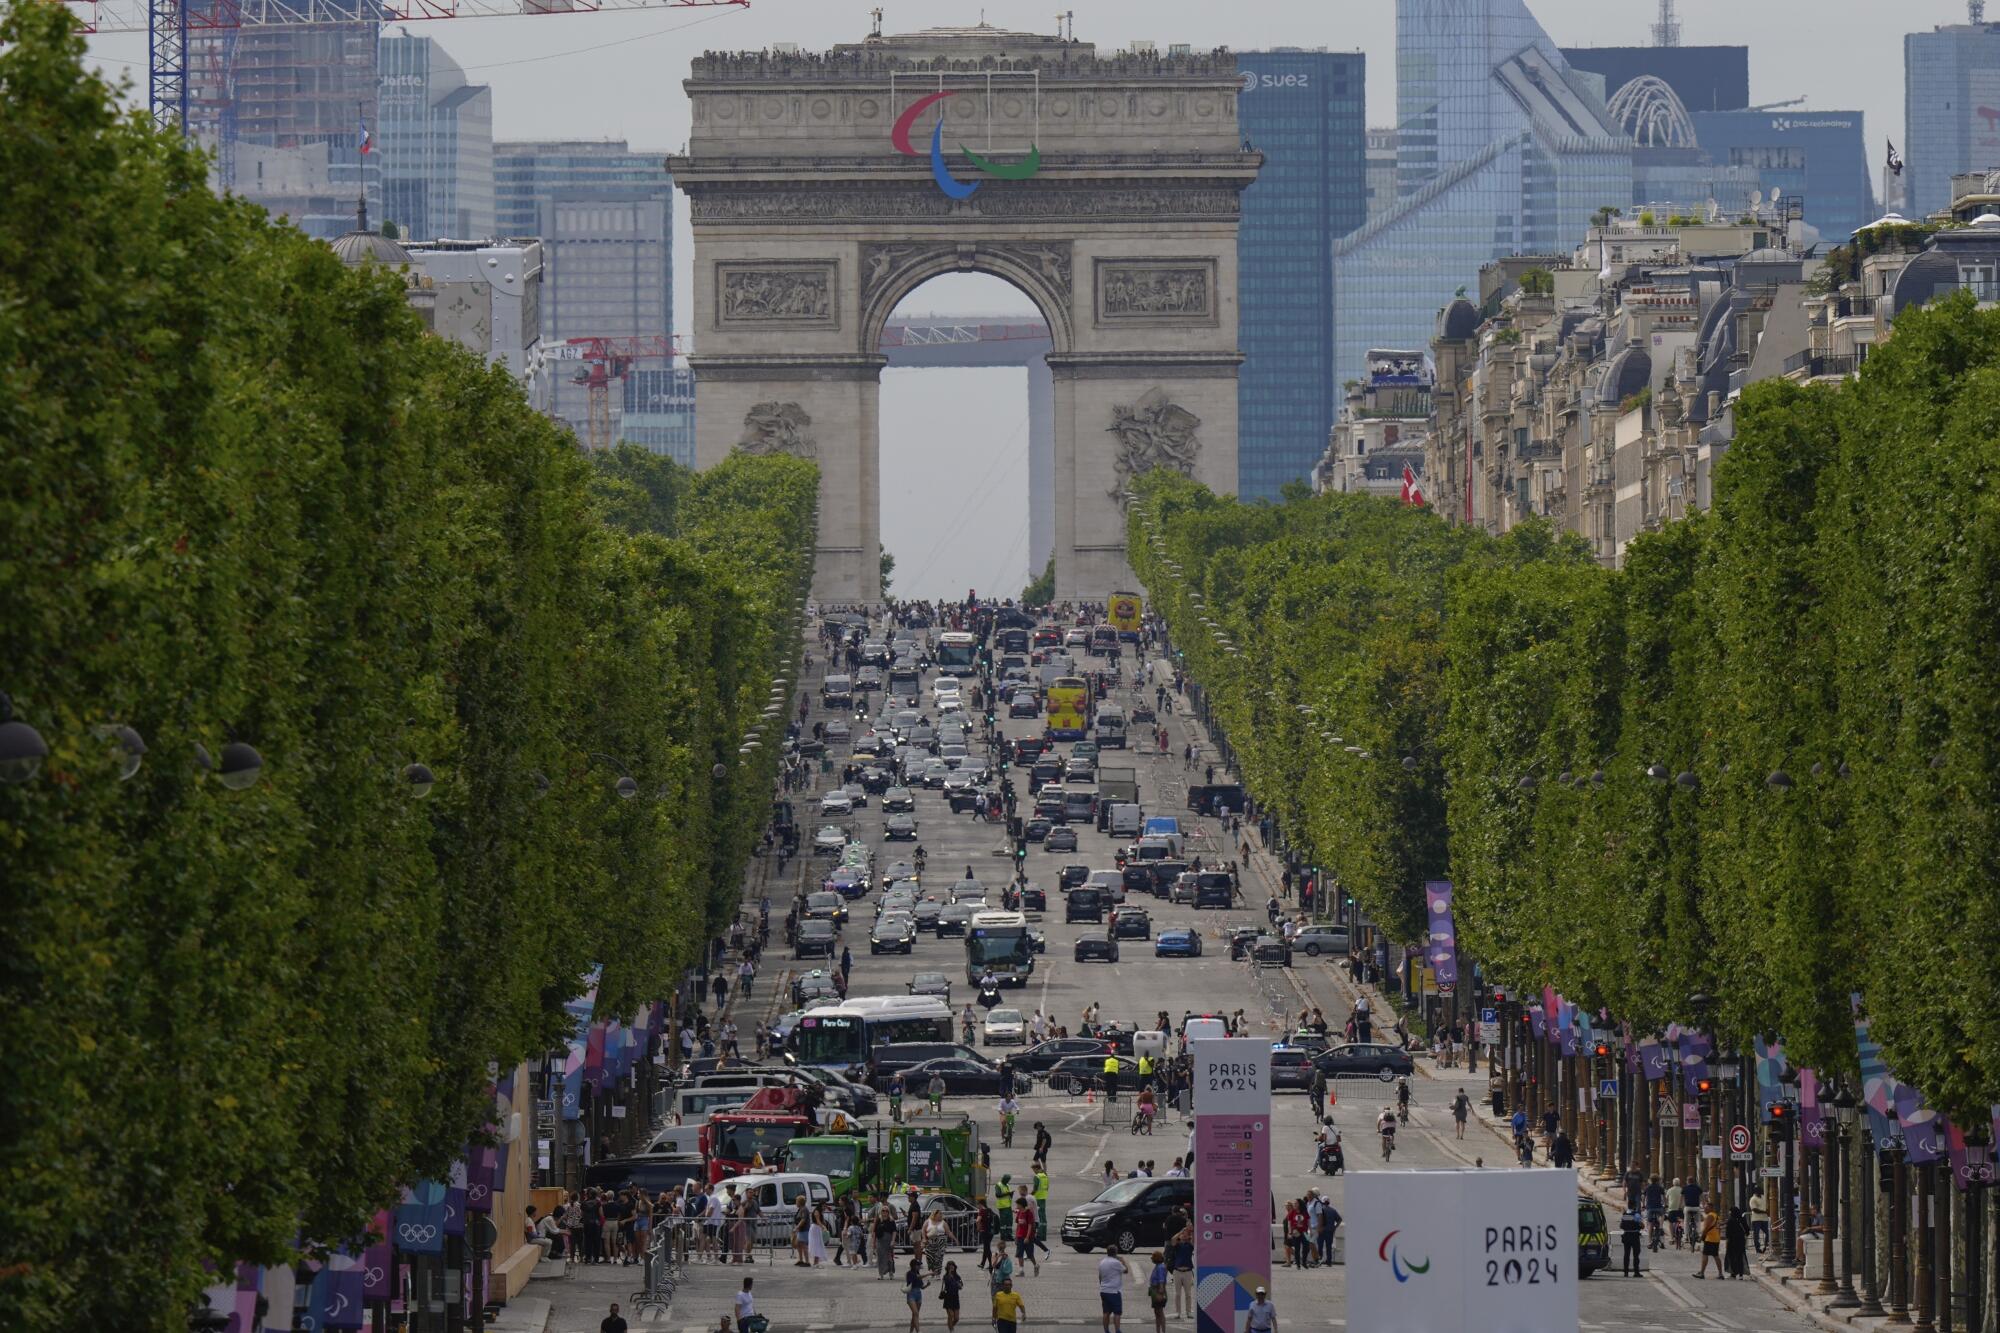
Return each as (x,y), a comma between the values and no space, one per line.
(1069,708)
(1124,611)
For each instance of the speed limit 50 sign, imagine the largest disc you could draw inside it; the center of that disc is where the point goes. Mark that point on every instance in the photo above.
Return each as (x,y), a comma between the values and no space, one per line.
(1739,1142)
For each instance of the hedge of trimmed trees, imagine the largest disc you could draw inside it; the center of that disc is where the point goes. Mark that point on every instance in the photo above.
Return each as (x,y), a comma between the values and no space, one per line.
(244,497)
(1759,763)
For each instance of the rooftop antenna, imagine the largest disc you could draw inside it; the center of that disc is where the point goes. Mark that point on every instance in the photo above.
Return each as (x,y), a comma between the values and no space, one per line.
(1976,10)
(877,13)
(1667,32)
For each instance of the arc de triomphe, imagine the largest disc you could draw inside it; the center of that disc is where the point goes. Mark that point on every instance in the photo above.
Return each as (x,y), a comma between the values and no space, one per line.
(823,188)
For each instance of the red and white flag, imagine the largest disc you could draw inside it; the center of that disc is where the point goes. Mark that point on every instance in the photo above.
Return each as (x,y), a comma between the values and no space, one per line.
(1413,491)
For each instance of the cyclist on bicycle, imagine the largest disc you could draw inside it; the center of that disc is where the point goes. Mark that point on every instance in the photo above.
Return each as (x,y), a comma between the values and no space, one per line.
(967,1022)
(1403,1099)
(1385,1125)
(1656,1211)
(1009,1108)
(1142,1115)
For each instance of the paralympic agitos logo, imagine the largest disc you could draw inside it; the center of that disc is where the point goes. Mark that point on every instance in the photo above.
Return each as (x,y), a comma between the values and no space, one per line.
(1391,1256)
(899,136)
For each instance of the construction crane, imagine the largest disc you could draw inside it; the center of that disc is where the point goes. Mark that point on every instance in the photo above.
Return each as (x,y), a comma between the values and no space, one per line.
(1773,106)
(606,360)
(212,26)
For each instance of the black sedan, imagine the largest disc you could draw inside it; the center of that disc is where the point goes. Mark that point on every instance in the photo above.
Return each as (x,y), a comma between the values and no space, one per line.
(1024,704)
(1383,1062)
(1073,875)
(898,800)
(1131,923)
(962,1078)
(1045,1055)
(1092,948)
(895,932)
(816,939)
(876,779)
(1036,830)
(1079,1073)
(1034,898)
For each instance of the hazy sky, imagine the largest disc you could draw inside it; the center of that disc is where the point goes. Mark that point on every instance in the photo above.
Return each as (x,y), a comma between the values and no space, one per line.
(618,75)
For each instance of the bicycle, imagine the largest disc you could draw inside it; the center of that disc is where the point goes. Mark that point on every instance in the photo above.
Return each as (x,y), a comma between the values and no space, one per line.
(1007,1130)
(1388,1143)
(1656,1234)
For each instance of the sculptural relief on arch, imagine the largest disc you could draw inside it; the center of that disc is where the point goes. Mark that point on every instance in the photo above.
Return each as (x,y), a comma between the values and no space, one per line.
(824,187)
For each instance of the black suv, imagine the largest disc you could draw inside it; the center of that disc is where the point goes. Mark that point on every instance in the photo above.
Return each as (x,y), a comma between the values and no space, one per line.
(1132,1214)
(1291,1068)
(1083,904)
(1132,923)
(1042,1055)
(816,939)
(1214,895)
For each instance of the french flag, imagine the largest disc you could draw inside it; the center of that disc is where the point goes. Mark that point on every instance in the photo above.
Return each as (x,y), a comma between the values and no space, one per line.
(367,140)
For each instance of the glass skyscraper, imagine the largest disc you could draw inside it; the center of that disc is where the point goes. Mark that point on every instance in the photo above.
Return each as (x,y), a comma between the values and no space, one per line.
(1304,110)
(1818,156)
(1501,149)
(1951,110)
(436,142)
(605,216)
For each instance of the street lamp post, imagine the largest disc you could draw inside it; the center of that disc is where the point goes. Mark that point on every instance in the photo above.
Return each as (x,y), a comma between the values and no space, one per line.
(1843,1123)
(1869,1178)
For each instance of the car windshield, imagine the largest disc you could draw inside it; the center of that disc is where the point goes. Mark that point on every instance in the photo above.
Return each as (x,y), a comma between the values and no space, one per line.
(928,979)
(1004,1016)
(1124,1191)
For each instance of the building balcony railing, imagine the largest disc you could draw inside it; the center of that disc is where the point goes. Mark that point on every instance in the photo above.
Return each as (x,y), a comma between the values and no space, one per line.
(1855,307)
(1817,365)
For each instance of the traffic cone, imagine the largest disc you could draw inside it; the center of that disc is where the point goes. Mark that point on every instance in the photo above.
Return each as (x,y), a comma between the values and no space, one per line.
(1090,1096)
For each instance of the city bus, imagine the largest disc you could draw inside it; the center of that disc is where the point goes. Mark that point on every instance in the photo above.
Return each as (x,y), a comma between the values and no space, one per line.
(998,942)
(1124,611)
(1068,704)
(841,1037)
(958,653)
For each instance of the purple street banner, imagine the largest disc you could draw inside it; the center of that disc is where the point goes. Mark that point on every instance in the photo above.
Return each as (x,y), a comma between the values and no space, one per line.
(1919,1125)
(505,1097)
(1443,954)
(1566,1025)
(334,1297)
(420,1218)
(454,1200)
(1653,1060)
(1878,1085)
(1695,1049)
(480,1177)
(1770,1068)
(1812,1118)
(579,1010)
(1232,1178)
(376,1260)
(1537,1024)
(1551,1006)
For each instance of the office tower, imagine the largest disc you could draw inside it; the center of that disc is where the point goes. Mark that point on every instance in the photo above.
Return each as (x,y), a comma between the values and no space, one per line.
(1820,157)
(604,214)
(435,141)
(1705,78)
(659,412)
(1381,171)
(281,107)
(1951,110)
(1501,149)
(1304,110)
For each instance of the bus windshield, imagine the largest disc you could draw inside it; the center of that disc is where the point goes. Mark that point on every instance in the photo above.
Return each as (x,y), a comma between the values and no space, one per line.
(957,651)
(997,946)
(829,1039)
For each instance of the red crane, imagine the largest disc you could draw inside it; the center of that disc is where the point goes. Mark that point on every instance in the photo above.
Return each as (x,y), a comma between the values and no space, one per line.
(608,359)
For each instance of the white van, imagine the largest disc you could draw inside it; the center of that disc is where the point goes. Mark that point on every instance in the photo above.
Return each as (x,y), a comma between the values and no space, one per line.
(1126,820)
(693,1105)
(1203,1029)
(676,1139)
(779,1189)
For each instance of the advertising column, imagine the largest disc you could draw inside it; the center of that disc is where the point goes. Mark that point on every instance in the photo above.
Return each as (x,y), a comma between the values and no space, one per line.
(1232,1179)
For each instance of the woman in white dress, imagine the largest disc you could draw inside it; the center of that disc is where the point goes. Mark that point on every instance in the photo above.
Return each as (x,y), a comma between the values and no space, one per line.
(816,1237)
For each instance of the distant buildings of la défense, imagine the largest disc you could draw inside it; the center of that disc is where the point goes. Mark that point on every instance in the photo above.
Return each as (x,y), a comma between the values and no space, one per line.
(1353,239)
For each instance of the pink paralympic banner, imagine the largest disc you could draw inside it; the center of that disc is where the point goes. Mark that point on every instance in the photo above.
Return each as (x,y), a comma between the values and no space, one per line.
(1232,1179)
(1443,952)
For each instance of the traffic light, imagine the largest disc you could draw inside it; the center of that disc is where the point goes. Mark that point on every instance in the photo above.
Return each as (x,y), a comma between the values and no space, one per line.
(1602,1050)
(1783,1115)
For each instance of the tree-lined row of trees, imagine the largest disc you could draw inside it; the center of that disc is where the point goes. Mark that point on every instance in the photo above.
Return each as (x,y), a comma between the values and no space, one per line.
(1758,762)
(245,498)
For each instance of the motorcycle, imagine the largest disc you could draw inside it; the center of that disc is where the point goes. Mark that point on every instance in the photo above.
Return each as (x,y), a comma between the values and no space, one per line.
(1330,1160)
(989,995)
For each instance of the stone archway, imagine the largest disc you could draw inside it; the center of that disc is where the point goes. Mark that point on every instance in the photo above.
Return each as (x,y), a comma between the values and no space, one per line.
(810,225)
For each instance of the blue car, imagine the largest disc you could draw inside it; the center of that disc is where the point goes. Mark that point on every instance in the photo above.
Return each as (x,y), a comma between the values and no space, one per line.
(1177,944)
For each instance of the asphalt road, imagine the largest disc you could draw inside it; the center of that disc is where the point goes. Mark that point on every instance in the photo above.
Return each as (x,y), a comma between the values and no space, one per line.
(1137,987)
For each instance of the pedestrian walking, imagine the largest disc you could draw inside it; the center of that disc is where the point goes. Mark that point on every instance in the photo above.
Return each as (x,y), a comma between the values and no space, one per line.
(1180,1266)
(1156,1291)
(613,1322)
(1263,1315)
(1111,1275)
(913,1291)
(1760,1221)
(1736,1244)
(1630,1228)
(937,1237)
(885,1241)
(1008,1307)
(1711,1242)
(949,1287)
(1461,1108)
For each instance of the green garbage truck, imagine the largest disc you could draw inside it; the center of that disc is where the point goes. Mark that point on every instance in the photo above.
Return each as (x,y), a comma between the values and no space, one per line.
(942,1154)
